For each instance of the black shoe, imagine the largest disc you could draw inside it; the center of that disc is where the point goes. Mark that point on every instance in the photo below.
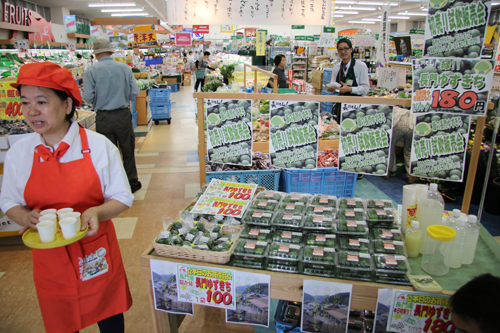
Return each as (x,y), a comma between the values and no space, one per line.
(136,188)
(360,176)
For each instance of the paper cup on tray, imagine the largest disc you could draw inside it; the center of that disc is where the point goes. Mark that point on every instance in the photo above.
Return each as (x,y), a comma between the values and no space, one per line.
(50,211)
(62,211)
(49,217)
(68,227)
(77,216)
(46,231)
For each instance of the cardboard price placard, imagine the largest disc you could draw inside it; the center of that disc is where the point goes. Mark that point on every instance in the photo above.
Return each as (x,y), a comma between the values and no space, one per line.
(229,131)
(456,29)
(419,312)
(10,103)
(451,85)
(206,286)
(294,134)
(439,144)
(365,138)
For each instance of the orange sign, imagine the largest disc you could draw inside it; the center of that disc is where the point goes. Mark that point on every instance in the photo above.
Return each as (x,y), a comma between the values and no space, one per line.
(351,32)
(250,32)
(146,38)
(10,103)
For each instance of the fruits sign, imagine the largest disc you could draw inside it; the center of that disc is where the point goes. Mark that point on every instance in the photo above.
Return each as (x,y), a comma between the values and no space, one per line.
(365,138)
(456,28)
(451,85)
(294,134)
(229,137)
(439,143)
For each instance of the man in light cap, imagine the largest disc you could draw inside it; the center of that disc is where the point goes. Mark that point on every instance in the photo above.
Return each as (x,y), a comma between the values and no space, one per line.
(110,86)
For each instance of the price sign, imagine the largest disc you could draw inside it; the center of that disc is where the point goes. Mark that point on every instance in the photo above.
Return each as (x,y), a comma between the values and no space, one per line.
(71,47)
(22,45)
(418,312)
(387,77)
(206,286)
(10,102)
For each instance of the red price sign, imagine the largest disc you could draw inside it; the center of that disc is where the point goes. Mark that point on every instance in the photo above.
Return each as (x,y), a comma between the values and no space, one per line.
(439,326)
(451,98)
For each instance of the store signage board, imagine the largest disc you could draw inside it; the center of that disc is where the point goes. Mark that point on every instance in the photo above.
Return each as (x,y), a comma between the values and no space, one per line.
(253,12)
(17,15)
(201,29)
(252,299)
(317,37)
(451,85)
(10,104)
(183,39)
(228,28)
(206,286)
(363,40)
(164,280)
(71,47)
(94,31)
(456,31)
(298,26)
(412,311)
(250,32)
(438,146)
(325,304)
(365,138)
(70,23)
(260,44)
(417,32)
(294,134)
(22,45)
(387,77)
(326,41)
(225,198)
(300,37)
(229,131)
(239,36)
(329,29)
(310,38)
(385,28)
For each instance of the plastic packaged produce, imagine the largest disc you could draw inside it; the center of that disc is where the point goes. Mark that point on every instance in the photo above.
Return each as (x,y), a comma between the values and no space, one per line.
(355,244)
(251,248)
(375,215)
(327,240)
(389,247)
(247,262)
(285,251)
(256,233)
(318,269)
(355,260)
(386,263)
(325,255)
(321,210)
(257,217)
(282,236)
(392,278)
(319,222)
(413,238)
(356,214)
(285,219)
(429,210)
(350,274)
(472,231)
(324,200)
(283,268)
(350,203)
(349,227)
(295,208)
(269,195)
(458,243)
(388,234)
(297,197)
(269,205)
(379,204)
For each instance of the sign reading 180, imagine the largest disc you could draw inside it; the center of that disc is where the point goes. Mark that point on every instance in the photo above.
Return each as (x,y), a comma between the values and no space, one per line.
(16,14)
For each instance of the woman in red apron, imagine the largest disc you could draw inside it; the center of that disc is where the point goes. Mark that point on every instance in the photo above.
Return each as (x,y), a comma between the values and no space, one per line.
(85,282)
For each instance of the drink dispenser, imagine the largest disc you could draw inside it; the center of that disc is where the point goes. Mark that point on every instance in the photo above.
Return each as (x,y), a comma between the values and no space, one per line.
(437,249)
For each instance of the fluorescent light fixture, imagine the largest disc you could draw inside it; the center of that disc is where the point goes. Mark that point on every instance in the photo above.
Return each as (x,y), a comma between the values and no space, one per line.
(129,14)
(371,19)
(400,17)
(413,14)
(345,12)
(376,3)
(361,22)
(338,15)
(495,3)
(117,10)
(345,2)
(425,9)
(113,4)
(356,8)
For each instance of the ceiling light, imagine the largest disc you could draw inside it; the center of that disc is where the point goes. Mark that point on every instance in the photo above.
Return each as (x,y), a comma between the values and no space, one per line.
(412,14)
(345,2)
(361,22)
(338,15)
(400,17)
(115,4)
(425,9)
(345,12)
(117,10)
(376,3)
(129,14)
(495,3)
(356,8)
(371,19)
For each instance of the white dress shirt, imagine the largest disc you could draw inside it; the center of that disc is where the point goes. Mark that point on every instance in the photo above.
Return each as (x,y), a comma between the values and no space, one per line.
(105,157)
(361,74)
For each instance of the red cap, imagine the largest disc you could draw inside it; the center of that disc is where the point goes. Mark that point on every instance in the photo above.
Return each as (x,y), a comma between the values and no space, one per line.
(49,75)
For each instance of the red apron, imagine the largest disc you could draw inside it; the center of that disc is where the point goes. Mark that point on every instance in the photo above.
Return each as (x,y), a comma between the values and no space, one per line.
(85,282)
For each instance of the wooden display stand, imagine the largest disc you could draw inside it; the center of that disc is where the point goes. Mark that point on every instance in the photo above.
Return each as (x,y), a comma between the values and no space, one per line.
(141,108)
(255,70)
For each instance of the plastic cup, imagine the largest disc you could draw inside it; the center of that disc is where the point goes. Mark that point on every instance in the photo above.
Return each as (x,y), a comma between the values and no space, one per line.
(49,217)
(50,211)
(63,211)
(77,216)
(68,227)
(46,231)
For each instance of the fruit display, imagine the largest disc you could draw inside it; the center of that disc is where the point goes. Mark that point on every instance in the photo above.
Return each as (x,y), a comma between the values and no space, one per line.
(326,240)
(288,237)
(380,215)
(319,254)
(269,205)
(285,219)
(379,204)
(389,247)
(350,227)
(356,214)
(251,248)
(296,208)
(355,244)
(351,203)
(256,233)
(318,269)
(321,210)
(356,260)
(297,197)
(389,263)
(388,234)
(285,251)
(269,195)
(324,200)
(319,222)
(257,217)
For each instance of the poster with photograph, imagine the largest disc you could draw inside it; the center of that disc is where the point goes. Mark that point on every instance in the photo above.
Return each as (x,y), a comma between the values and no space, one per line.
(365,138)
(252,300)
(384,302)
(325,306)
(456,28)
(294,134)
(164,280)
(439,144)
(451,85)
(229,131)
(403,45)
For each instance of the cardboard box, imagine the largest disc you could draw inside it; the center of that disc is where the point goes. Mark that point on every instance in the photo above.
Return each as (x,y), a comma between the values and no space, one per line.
(186,79)
(171,80)
(317,79)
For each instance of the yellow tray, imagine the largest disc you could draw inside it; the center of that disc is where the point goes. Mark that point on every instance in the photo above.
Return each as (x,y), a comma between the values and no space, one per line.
(32,239)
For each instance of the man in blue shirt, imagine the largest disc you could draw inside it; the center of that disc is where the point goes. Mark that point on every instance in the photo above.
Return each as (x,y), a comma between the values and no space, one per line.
(109,86)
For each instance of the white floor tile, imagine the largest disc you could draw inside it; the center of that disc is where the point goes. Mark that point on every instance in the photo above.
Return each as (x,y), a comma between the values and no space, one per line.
(193,163)
(144,179)
(125,227)
(147,154)
(145,166)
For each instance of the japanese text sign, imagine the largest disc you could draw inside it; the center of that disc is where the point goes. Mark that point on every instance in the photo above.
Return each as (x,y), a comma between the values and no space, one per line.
(201,29)
(229,131)
(418,312)
(261,43)
(294,134)
(438,147)
(456,29)
(451,85)
(70,23)
(326,41)
(183,39)
(225,198)
(22,45)
(206,286)
(365,138)
(71,47)
(10,102)
(387,77)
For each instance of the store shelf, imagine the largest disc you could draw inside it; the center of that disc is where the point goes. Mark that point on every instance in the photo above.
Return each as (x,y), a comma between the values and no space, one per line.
(75,35)
(18,27)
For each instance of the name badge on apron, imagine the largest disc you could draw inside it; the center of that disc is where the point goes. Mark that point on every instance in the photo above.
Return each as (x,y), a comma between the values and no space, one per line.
(349,83)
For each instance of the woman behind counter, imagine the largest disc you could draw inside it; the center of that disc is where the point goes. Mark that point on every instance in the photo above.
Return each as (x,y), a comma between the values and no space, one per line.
(279,65)
(64,165)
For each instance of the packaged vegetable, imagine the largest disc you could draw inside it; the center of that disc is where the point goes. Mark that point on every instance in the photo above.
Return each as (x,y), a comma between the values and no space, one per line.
(321,210)
(269,205)
(386,263)
(248,262)
(380,215)
(256,233)
(251,248)
(285,219)
(379,204)
(389,247)
(388,234)
(350,203)
(351,227)
(319,222)
(257,217)
(269,195)
(356,214)
(355,244)
(326,240)
(350,274)
(295,208)
(287,237)
(283,268)
(319,254)
(285,251)
(318,269)
(297,197)
(355,260)
(324,200)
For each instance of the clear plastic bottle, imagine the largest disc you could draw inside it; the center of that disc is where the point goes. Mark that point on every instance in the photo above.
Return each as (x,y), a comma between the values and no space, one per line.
(429,211)
(472,232)
(413,239)
(452,220)
(458,243)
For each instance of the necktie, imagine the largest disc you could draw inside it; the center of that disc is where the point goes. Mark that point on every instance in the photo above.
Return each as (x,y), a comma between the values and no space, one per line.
(344,67)
(47,155)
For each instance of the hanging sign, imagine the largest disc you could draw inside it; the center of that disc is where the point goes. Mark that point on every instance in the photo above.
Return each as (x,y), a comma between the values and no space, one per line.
(94,31)
(329,29)
(70,23)
(294,134)
(229,131)
(300,37)
(385,27)
(249,12)
(45,33)
(144,39)
(438,146)
(22,45)
(260,44)
(412,311)
(365,138)
(417,32)
(10,102)
(130,38)
(201,29)
(326,41)
(252,299)
(387,77)
(228,28)
(298,26)
(352,32)
(403,45)
(183,39)
(456,31)
(325,305)
(164,280)
(206,286)
(250,32)
(451,85)
(310,38)
(71,47)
